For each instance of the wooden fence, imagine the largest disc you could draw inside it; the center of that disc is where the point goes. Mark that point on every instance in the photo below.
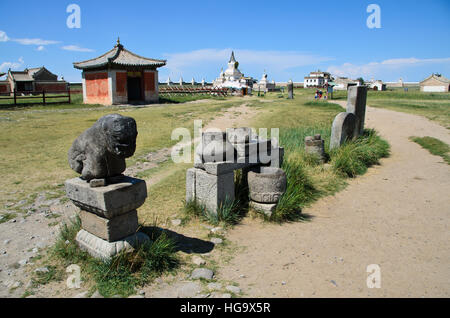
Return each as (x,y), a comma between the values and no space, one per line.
(180,90)
(43,97)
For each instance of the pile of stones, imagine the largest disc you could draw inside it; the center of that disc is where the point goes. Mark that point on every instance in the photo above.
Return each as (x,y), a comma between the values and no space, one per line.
(219,155)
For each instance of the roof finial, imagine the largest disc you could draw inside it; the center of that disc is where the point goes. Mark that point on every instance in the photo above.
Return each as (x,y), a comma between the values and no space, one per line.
(232,58)
(118,40)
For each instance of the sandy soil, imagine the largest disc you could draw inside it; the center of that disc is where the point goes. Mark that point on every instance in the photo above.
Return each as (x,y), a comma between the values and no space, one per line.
(396,216)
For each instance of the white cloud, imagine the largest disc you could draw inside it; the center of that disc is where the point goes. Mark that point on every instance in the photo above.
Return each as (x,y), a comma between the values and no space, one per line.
(276,62)
(38,42)
(375,69)
(76,48)
(40,48)
(3,36)
(34,41)
(11,65)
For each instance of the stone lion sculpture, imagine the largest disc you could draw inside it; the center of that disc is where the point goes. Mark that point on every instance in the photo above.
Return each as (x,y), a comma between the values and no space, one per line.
(100,151)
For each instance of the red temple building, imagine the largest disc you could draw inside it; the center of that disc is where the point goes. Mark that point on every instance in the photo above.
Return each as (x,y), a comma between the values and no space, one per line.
(120,77)
(31,80)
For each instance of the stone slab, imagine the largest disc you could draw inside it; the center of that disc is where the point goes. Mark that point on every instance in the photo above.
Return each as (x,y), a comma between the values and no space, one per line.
(344,128)
(103,249)
(109,201)
(266,209)
(356,104)
(110,229)
(219,168)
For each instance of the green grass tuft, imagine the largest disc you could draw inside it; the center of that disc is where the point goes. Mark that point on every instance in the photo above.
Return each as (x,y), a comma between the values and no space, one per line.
(353,158)
(7,217)
(43,278)
(300,191)
(434,146)
(124,272)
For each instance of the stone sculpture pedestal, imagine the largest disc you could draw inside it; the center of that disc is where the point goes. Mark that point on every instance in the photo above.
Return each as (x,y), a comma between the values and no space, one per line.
(108,215)
(315,146)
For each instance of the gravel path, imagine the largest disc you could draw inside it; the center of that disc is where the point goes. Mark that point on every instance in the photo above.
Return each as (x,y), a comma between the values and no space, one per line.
(396,216)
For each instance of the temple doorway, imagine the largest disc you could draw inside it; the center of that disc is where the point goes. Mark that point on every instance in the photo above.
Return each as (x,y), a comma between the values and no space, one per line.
(134,85)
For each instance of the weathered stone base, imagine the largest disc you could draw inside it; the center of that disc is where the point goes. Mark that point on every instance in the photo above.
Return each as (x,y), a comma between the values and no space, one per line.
(109,201)
(315,146)
(266,208)
(102,249)
(110,230)
(209,190)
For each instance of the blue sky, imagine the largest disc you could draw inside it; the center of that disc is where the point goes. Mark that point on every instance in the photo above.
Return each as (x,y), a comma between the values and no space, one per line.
(287,38)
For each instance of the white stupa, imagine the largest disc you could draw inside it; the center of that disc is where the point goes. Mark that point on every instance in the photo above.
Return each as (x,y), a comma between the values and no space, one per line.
(232,77)
(264,84)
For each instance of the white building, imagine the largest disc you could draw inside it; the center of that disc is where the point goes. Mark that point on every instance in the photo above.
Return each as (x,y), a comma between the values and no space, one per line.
(377,85)
(316,79)
(435,83)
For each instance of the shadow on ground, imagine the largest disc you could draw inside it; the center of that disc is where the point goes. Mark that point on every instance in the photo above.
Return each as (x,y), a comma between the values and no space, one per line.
(188,245)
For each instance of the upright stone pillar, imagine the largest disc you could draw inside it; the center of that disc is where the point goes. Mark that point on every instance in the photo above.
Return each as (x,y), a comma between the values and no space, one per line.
(290,89)
(356,104)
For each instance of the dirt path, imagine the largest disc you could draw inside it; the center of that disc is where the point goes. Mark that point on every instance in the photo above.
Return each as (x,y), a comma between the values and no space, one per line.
(396,216)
